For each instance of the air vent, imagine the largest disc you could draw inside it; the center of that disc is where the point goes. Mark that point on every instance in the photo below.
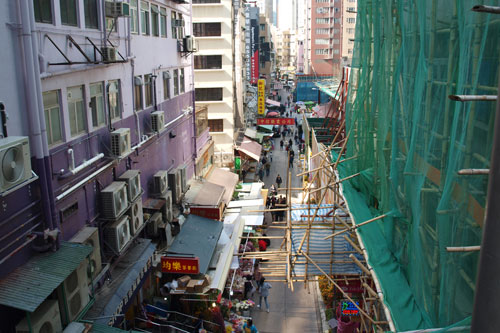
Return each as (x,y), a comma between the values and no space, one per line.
(157,121)
(133,180)
(160,183)
(120,142)
(15,162)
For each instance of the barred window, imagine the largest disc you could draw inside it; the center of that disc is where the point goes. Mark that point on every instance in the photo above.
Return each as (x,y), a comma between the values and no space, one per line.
(208,94)
(207,29)
(216,125)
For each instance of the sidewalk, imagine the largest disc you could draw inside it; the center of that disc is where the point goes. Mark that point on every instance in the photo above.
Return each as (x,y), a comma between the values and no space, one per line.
(289,311)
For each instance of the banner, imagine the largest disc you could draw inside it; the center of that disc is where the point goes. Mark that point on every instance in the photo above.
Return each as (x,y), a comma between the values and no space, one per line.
(254,50)
(275,121)
(261,99)
(180,265)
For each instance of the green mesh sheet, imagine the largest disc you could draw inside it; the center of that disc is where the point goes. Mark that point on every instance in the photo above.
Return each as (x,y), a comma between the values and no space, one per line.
(410,140)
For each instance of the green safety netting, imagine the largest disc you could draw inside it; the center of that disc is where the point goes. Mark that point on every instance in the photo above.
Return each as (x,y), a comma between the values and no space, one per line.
(410,140)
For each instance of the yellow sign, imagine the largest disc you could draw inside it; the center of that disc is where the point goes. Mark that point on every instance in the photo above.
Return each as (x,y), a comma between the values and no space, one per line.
(261,100)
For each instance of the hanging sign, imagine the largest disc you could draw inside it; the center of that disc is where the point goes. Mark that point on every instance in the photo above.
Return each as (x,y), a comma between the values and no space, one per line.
(275,121)
(180,265)
(261,99)
(349,309)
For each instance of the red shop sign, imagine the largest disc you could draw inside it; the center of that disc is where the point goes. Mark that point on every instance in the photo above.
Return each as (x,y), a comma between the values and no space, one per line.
(180,265)
(275,121)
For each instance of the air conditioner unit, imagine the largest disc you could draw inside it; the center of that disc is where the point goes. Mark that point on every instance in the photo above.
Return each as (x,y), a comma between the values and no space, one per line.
(136,217)
(117,9)
(15,161)
(120,142)
(168,213)
(157,121)
(76,290)
(46,318)
(117,235)
(160,182)
(90,236)
(154,222)
(114,200)
(133,180)
(184,180)
(175,185)
(188,43)
(108,53)
(168,234)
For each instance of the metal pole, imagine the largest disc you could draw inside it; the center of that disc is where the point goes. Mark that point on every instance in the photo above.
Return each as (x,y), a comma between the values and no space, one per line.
(486,301)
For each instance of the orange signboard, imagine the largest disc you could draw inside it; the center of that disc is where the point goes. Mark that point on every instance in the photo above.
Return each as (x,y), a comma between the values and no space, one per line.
(180,265)
(275,121)
(261,96)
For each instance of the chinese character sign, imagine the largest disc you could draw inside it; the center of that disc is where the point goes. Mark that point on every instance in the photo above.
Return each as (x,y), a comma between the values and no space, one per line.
(261,92)
(275,121)
(180,265)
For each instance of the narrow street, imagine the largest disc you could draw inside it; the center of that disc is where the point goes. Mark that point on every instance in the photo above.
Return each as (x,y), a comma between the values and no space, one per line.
(289,311)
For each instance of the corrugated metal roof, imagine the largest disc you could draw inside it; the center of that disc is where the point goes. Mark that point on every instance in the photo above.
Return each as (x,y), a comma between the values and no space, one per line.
(29,285)
(199,237)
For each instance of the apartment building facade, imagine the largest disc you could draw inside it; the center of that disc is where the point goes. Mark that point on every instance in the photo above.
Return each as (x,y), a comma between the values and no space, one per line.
(106,94)
(267,55)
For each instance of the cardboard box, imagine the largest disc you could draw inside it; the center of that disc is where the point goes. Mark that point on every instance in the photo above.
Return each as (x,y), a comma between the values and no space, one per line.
(206,280)
(195,286)
(183,281)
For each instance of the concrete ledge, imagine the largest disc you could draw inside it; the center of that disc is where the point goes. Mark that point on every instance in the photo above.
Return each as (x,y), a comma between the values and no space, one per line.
(320,308)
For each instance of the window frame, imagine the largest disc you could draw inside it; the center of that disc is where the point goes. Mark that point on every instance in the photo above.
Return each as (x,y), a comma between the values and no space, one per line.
(40,13)
(218,125)
(204,29)
(173,26)
(138,93)
(134,17)
(74,102)
(75,13)
(93,16)
(208,93)
(176,82)
(209,61)
(148,90)
(145,19)
(47,110)
(155,20)
(115,113)
(182,82)
(94,112)
(166,85)
(163,22)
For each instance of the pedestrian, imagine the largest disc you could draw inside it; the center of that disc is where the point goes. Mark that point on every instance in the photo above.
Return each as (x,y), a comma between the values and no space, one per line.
(248,287)
(278,181)
(261,174)
(290,142)
(264,292)
(291,161)
(283,133)
(292,153)
(281,145)
(249,327)
(271,156)
(268,168)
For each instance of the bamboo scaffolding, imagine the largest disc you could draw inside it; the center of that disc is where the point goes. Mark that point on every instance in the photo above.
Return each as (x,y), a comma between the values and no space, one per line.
(354,245)
(357,226)
(360,265)
(463,248)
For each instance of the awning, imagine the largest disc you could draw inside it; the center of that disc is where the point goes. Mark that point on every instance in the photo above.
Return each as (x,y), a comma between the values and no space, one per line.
(116,298)
(267,127)
(271,102)
(246,203)
(250,148)
(222,258)
(204,193)
(316,243)
(29,285)
(226,179)
(251,133)
(198,237)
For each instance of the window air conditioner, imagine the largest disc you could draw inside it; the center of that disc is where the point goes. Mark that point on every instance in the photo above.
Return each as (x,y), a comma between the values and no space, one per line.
(157,121)
(136,217)
(46,318)
(15,161)
(160,182)
(184,180)
(114,200)
(188,43)
(168,213)
(117,235)
(90,236)
(76,290)
(133,180)
(120,142)
(175,185)
(117,9)
(153,225)
(108,54)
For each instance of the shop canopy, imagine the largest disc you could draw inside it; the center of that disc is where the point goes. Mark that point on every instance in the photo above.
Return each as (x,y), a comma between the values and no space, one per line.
(198,238)
(29,285)
(271,102)
(204,193)
(250,148)
(226,179)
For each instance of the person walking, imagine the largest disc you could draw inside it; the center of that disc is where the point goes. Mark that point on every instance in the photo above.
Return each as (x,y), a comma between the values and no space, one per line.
(271,156)
(290,142)
(261,173)
(278,181)
(268,168)
(281,144)
(264,292)
(290,161)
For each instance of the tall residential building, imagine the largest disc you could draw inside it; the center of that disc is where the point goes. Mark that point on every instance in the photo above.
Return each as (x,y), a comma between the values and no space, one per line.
(96,93)
(215,66)
(267,56)
(348,29)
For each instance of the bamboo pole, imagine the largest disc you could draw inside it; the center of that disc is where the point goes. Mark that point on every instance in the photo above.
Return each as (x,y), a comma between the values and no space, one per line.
(356,247)
(289,230)
(463,248)
(360,265)
(370,290)
(357,226)
(282,209)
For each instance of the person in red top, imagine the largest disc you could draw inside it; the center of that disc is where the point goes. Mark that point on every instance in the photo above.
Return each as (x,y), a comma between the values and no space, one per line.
(262,245)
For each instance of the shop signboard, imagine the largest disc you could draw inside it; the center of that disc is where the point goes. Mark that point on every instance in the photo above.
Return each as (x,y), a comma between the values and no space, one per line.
(275,121)
(180,265)
(349,309)
(261,96)
(237,163)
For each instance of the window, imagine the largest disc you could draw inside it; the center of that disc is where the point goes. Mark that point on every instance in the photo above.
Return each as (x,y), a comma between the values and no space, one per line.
(180,26)
(43,10)
(174,25)
(208,62)
(349,51)
(166,85)
(76,110)
(52,116)
(336,20)
(350,30)
(351,20)
(90,9)
(138,93)
(336,41)
(351,9)
(206,29)
(321,41)
(336,31)
(68,12)
(176,82)
(262,27)
(216,125)
(163,22)
(183,84)
(145,18)
(114,99)
(336,51)
(148,89)
(322,10)
(97,104)
(205,1)
(133,17)
(322,20)
(262,40)
(322,1)
(208,94)
(322,31)
(155,20)
(201,120)
(321,51)
(110,24)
